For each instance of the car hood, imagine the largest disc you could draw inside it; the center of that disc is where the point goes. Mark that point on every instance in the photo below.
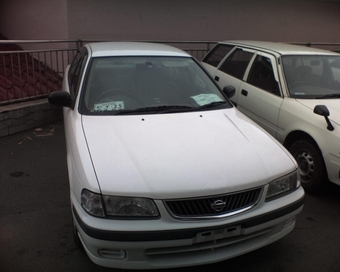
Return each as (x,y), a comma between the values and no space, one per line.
(182,154)
(333,106)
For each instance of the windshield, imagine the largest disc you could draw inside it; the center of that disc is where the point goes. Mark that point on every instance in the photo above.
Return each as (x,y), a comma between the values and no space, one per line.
(132,85)
(312,77)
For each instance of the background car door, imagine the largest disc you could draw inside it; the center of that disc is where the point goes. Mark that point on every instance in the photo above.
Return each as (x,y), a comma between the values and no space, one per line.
(233,69)
(260,95)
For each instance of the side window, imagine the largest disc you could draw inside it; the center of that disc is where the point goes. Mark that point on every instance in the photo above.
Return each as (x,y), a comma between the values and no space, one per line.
(216,55)
(262,76)
(237,63)
(75,71)
(335,69)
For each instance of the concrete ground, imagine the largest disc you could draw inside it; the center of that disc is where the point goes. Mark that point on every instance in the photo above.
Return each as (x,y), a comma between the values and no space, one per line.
(36,230)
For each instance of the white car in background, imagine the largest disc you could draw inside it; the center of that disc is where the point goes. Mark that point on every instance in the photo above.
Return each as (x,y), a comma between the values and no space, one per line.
(293,92)
(164,171)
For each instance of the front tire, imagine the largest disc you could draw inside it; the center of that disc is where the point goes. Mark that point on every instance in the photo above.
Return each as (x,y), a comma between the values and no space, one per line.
(312,168)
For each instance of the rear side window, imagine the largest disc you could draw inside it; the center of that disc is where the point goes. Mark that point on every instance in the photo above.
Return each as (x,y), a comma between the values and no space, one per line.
(216,55)
(262,75)
(237,63)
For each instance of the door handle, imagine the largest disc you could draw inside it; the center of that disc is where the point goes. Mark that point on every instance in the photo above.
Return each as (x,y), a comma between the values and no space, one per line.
(217,78)
(244,92)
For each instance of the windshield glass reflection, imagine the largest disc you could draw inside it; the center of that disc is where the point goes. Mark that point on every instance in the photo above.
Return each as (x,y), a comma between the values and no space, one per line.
(117,85)
(312,77)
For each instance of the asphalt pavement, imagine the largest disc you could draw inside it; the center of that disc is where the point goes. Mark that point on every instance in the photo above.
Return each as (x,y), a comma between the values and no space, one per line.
(36,229)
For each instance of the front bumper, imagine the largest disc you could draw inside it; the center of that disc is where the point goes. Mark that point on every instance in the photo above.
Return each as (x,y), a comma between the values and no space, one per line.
(202,243)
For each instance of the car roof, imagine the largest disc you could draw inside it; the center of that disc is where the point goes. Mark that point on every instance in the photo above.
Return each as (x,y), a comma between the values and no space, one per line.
(282,48)
(102,49)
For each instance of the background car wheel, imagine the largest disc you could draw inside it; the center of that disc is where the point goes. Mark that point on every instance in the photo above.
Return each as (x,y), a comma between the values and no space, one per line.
(311,165)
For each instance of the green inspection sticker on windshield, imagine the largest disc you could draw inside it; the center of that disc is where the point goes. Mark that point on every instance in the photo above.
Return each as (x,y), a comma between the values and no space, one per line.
(109,106)
(204,99)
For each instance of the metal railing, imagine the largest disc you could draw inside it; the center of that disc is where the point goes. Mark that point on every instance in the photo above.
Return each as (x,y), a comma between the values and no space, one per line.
(37,71)
(197,49)
(326,46)
(32,74)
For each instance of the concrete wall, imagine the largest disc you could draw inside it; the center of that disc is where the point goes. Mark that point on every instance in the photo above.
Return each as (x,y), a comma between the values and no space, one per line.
(276,20)
(33,19)
(285,20)
(19,117)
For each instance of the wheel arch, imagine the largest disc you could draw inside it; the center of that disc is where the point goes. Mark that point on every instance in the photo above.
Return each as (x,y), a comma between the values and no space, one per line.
(298,135)
(313,171)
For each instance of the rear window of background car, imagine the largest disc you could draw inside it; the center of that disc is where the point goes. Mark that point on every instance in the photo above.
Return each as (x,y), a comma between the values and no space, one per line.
(216,55)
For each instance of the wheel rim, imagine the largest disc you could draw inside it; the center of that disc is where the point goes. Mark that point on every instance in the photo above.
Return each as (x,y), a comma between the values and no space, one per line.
(306,166)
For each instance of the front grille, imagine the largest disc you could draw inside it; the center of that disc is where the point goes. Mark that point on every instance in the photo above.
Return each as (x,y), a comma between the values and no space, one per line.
(213,206)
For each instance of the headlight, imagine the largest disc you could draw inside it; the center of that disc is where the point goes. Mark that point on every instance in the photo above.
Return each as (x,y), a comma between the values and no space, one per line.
(283,185)
(130,206)
(95,204)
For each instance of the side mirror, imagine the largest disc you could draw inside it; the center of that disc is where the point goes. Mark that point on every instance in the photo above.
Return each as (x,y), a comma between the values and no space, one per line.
(323,111)
(60,98)
(229,91)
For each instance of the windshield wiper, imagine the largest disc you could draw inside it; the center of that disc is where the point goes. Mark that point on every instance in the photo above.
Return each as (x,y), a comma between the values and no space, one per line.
(169,108)
(156,109)
(334,95)
(212,104)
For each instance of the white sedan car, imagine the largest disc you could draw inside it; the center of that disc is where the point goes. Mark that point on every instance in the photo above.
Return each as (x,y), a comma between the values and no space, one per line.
(164,171)
(293,92)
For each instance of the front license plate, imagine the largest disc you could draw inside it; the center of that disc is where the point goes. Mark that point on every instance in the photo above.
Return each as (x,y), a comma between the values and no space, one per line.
(217,234)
